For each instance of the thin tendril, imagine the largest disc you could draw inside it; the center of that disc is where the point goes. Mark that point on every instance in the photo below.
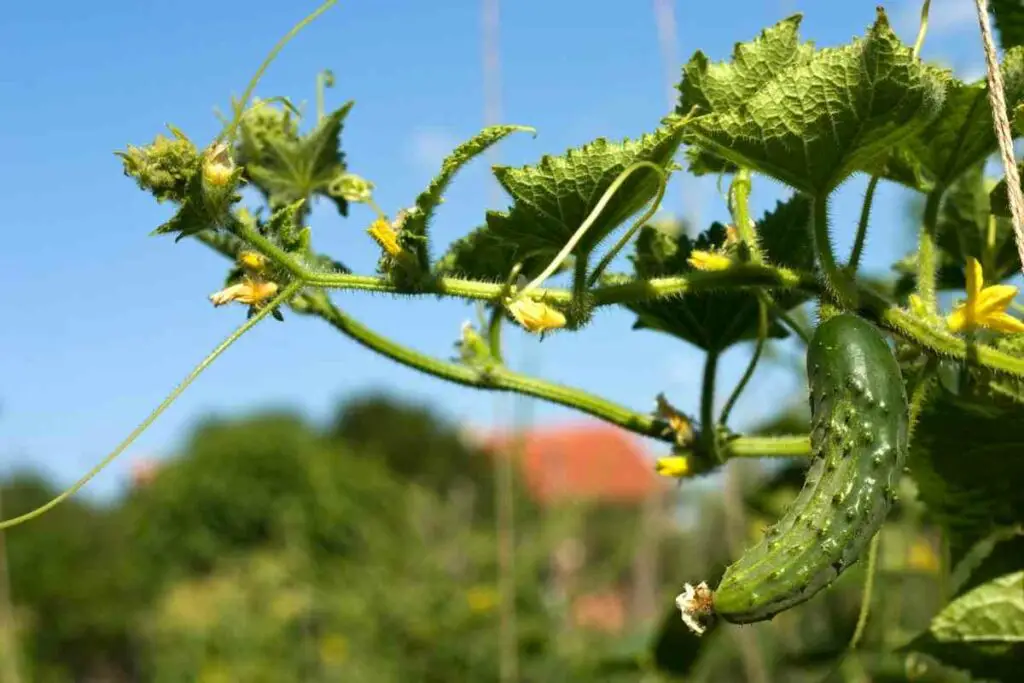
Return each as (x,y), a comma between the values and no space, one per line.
(869,585)
(229,133)
(285,294)
(586,225)
(923,29)
(606,260)
(762,334)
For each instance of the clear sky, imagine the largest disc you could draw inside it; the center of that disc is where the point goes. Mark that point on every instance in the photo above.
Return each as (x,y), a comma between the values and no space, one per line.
(103,320)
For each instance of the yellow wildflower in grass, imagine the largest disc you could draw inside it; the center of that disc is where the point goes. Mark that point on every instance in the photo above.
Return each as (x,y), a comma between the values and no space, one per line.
(333,649)
(708,260)
(535,316)
(678,423)
(482,599)
(386,236)
(673,466)
(985,306)
(250,291)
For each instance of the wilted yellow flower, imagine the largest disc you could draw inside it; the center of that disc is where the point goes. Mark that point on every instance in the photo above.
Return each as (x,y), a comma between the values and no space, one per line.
(707,260)
(678,423)
(217,165)
(535,316)
(249,291)
(673,466)
(985,306)
(386,236)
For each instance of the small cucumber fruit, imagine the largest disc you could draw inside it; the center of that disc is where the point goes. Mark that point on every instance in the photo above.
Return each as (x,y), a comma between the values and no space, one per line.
(860,421)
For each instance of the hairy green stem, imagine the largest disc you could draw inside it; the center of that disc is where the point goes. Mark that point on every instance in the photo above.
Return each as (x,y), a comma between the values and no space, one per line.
(739,200)
(494,332)
(497,379)
(795,446)
(708,427)
(762,334)
(862,226)
(927,256)
(283,296)
(837,281)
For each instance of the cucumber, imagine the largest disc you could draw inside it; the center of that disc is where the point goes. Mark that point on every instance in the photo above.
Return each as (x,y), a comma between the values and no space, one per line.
(860,424)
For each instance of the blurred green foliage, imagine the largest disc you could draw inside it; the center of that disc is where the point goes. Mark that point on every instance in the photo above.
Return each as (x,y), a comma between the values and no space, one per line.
(274,550)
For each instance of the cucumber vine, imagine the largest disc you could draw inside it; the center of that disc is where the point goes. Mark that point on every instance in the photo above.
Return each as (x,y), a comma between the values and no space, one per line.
(810,118)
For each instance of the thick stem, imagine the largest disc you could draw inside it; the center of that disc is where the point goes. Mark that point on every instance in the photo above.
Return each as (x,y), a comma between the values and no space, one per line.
(739,193)
(708,427)
(862,226)
(798,446)
(838,282)
(927,258)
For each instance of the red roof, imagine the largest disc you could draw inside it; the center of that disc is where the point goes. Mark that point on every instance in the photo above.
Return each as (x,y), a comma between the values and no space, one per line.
(594,461)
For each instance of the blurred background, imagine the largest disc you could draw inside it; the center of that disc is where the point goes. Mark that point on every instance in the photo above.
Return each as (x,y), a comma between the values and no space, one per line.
(309,511)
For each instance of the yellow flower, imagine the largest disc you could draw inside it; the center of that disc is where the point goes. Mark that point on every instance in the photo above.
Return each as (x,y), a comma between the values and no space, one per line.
(985,306)
(249,291)
(673,466)
(917,306)
(482,598)
(535,316)
(707,260)
(253,260)
(333,649)
(922,557)
(386,236)
(678,423)
(217,165)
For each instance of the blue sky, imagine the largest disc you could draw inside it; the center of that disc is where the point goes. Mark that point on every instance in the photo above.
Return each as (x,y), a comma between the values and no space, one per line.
(103,320)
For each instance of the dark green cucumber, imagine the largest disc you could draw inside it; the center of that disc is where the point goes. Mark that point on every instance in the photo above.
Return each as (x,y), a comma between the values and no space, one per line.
(860,421)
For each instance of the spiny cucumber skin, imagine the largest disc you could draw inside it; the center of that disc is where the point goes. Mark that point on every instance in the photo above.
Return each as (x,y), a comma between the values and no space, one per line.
(860,424)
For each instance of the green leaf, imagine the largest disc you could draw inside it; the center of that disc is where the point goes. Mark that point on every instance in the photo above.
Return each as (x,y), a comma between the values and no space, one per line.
(1009,20)
(981,631)
(553,198)
(199,209)
(965,457)
(414,229)
(783,237)
(287,167)
(709,322)
(1002,552)
(813,124)
(484,255)
(960,137)
(727,85)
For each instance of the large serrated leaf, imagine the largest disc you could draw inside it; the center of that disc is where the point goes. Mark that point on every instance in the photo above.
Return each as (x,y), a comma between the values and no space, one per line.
(484,255)
(960,137)
(553,198)
(815,123)
(712,323)
(287,168)
(967,457)
(981,631)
